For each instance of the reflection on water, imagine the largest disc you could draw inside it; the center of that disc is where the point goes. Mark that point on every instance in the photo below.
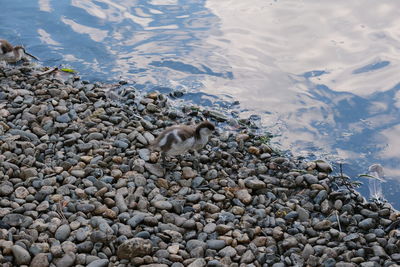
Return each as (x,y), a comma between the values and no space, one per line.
(322,78)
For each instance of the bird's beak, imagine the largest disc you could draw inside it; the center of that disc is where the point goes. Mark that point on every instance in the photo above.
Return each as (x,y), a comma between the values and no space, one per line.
(31,56)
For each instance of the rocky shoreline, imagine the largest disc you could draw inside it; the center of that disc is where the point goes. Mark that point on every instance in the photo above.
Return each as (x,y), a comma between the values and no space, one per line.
(78,187)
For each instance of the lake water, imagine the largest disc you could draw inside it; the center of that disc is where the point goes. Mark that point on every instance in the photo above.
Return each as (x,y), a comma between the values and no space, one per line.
(323,78)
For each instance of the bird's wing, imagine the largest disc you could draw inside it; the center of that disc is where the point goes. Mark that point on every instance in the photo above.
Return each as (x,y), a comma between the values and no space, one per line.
(185,132)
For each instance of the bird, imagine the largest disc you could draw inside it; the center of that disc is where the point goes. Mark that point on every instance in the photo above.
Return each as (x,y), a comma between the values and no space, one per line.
(179,139)
(12,54)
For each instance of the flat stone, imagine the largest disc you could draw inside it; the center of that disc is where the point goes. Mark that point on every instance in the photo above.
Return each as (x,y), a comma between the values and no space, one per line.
(28,173)
(254,184)
(94,136)
(162,205)
(370,264)
(134,247)
(323,225)
(216,244)
(155,169)
(144,154)
(78,173)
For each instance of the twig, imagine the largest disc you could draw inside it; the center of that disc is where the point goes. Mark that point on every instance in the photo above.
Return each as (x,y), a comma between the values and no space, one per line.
(59,207)
(48,71)
(337,218)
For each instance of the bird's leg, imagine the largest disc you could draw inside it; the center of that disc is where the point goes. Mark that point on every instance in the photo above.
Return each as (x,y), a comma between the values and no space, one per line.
(196,161)
(165,164)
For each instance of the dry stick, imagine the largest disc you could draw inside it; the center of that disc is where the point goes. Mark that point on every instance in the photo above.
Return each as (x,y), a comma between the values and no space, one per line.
(48,71)
(60,211)
(337,218)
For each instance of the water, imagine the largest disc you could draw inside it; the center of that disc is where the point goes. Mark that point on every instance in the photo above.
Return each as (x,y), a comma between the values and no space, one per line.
(322,78)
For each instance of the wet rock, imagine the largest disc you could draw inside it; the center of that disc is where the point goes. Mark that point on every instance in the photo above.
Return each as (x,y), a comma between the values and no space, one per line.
(323,166)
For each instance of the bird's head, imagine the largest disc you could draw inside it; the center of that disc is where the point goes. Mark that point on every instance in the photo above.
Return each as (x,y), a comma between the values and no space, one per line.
(21,49)
(205,128)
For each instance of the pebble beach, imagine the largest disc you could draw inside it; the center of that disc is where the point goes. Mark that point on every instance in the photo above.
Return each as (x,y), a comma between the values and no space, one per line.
(79,187)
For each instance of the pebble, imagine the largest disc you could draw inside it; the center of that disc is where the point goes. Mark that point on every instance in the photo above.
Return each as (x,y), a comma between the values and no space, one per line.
(68,151)
(216,244)
(227,252)
(40,260)
(244,196)
(198,263)
(188,173)
(21,255)
(62,232)
(98,263)
(134,247)
(67,260)
(162,205)
(367,224)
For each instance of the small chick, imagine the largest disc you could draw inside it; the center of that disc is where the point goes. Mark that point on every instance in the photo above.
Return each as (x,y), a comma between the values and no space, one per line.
(179,139)
(12,54)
